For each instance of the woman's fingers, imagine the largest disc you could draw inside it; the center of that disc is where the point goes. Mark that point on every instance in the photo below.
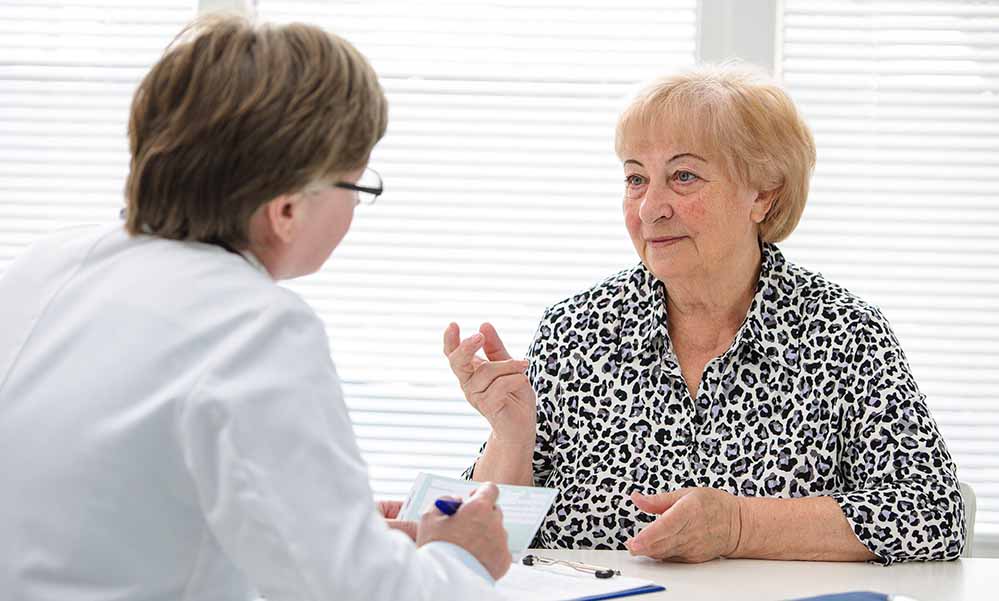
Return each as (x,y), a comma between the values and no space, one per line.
(493,347)
(658,503)
(452,338)
(462,357)
(661,538)
(495,384)
(501,392)
(464,362)
(698,524)
(489,371)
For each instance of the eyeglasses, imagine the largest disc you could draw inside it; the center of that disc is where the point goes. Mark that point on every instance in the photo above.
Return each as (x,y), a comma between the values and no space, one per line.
(599,572)
(368,187)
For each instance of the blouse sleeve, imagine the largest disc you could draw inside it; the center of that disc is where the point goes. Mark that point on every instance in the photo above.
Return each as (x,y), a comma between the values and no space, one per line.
(543,374)
(901,495)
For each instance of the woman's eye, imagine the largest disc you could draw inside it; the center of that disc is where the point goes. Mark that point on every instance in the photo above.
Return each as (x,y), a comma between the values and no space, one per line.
(634,180)
(685,177)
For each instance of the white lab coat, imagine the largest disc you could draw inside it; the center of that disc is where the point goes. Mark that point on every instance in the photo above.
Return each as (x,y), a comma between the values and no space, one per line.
(172,428)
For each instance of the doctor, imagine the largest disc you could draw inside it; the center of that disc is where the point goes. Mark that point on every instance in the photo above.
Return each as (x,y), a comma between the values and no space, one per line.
(171,425)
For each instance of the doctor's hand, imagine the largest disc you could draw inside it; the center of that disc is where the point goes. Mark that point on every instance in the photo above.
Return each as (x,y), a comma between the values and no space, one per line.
(477,527)
(694,525)
(496,386)
(390,511)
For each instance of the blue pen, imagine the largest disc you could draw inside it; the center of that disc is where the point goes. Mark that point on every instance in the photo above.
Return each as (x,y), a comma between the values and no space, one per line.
(447,507)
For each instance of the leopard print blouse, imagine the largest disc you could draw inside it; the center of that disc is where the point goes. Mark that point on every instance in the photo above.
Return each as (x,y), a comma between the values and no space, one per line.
(814,397)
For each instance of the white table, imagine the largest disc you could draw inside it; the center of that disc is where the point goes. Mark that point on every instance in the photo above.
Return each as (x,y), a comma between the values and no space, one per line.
(761,580)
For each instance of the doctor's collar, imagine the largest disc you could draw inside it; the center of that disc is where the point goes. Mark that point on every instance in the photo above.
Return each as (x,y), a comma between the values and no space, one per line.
(255,262)
(247,255)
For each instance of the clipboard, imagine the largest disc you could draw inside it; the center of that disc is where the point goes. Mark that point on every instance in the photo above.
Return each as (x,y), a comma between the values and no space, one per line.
(558,583)
(524,507)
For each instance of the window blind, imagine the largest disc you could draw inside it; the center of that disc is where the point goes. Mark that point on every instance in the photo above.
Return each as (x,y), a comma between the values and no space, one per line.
(67,73)
(503,188)
(903,98)
(502,195)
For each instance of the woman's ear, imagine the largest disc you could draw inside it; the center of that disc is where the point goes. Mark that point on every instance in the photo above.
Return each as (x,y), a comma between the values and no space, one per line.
(281,217)
(762,205)
(273,228)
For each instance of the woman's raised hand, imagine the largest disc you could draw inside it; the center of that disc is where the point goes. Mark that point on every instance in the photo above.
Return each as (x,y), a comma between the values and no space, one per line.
(496,386)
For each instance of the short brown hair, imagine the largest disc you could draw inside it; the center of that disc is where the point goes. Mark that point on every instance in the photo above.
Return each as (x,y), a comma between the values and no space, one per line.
(742,117)
(234,115)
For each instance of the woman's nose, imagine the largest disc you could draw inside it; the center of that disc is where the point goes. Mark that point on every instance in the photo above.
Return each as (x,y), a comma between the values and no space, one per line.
(657,204)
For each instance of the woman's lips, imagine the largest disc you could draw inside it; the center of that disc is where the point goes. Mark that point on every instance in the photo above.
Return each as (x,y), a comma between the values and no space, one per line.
(663,241)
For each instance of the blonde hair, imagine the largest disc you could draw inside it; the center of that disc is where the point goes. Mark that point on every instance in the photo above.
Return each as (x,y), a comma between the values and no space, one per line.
(234,115)
(741,117)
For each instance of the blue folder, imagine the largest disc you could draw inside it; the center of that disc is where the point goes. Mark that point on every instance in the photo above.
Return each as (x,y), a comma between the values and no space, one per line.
(851,596)
(641,590)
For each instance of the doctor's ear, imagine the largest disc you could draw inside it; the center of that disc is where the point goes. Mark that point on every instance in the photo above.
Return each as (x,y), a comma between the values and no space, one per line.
(762,205)
(281,216)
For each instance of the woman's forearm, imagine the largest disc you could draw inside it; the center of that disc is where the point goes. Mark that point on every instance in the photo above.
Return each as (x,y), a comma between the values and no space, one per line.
(506,462)
(812,528)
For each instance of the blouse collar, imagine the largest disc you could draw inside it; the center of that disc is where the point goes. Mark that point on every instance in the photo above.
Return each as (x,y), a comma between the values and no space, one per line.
(643,312)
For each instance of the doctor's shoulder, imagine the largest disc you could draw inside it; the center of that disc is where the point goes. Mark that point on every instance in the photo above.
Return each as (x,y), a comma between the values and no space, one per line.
(74,239)
(271,312)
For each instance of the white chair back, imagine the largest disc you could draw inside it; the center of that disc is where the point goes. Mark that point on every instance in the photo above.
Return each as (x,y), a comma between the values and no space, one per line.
(970,505)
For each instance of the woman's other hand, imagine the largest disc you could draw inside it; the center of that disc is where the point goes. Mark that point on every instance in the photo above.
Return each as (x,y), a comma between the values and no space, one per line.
(694,525)
(390,511)
(496,386)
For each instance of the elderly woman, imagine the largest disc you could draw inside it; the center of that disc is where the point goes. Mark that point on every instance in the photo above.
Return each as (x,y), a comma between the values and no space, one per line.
(173,427)
(717,400)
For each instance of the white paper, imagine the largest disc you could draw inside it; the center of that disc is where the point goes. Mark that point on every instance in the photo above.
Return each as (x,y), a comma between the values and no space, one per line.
(524,507)
(559,583)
